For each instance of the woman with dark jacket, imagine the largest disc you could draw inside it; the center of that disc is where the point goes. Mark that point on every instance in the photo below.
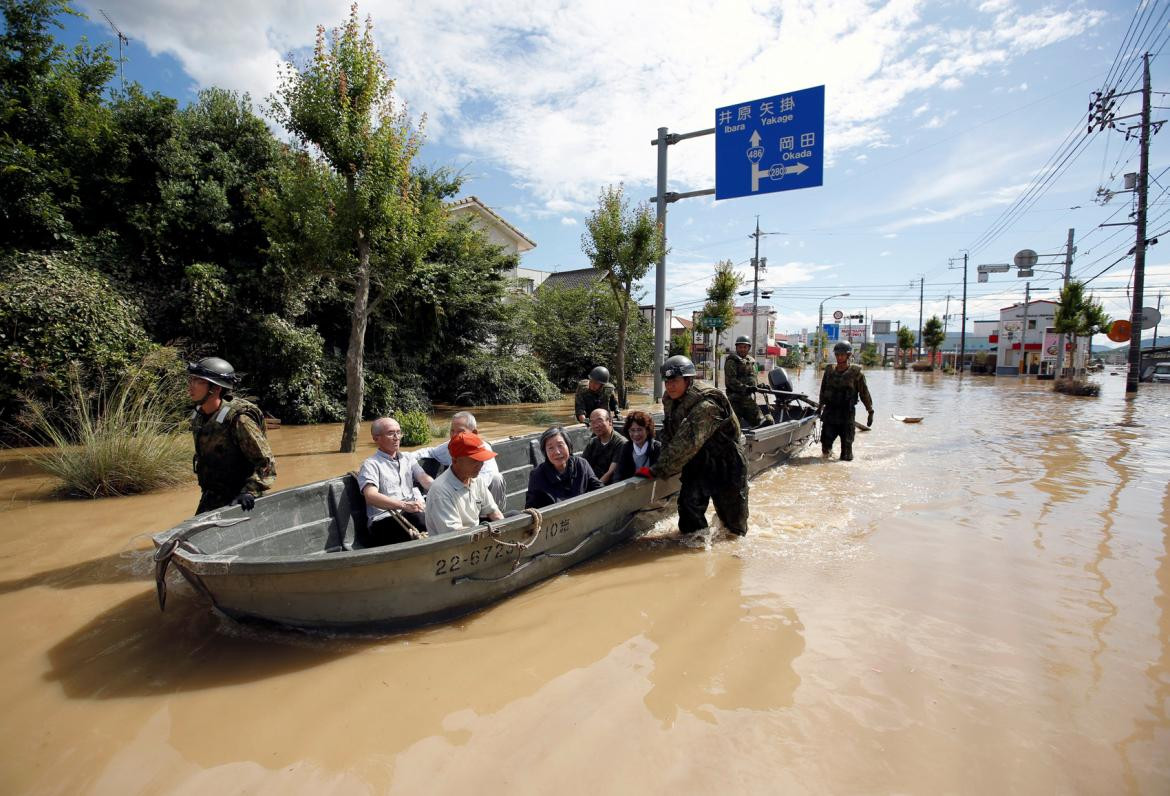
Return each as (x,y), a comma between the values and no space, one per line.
(561,476)
(642,449)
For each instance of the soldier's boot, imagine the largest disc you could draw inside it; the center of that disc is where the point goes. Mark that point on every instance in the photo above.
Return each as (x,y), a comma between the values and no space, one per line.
(826,452)
(846,451)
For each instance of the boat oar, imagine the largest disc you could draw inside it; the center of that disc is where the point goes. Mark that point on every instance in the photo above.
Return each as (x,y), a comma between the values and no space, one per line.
(162,556)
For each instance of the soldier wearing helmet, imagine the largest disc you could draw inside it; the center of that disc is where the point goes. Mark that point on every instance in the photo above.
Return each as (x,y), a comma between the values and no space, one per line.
(841,387)
(233,461)
(701,439)
(739,370)
(595,392)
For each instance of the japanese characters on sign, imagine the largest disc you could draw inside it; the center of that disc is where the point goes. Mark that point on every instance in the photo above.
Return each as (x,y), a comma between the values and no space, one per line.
(771,144)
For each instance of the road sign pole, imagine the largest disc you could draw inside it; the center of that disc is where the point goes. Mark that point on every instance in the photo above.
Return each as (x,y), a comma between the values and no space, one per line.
(660,277)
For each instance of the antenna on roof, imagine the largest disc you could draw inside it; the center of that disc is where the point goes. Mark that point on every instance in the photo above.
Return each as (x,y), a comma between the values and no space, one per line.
(122,39)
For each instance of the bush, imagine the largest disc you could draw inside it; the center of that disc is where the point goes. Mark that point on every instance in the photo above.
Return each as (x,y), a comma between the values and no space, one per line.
(55,311)
(482,378)
(416,429)
(1077,387)
(125,438)
(393,395)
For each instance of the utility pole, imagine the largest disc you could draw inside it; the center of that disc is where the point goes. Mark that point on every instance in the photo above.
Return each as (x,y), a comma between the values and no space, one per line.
(756,286)
(1139,254)
(1068,255)
(946,323)
(963,328)
(1024,329)
(921,282)
(1155,344)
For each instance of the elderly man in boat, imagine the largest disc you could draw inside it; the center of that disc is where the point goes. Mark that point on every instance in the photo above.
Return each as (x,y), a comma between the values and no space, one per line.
(458,499)
(490,473)
(394,504)
(603,451)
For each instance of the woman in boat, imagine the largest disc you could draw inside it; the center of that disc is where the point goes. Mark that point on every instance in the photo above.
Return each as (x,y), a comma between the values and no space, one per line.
(642,449)
(561,476)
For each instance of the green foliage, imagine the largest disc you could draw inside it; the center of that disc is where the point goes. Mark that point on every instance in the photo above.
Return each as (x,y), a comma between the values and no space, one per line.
(55,311)
(483,378)
(52,124)
(1079,315)
(1082,387)
(791,359)
(574,329)
(621,245)
(416,428)
(680,344)
(391,395)
(933,336)
(869,355)
(120,439)
(721,297)
(906,340)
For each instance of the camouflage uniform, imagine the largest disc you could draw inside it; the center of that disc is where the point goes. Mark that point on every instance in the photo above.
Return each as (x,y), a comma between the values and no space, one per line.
(231,454)
(701,438)
(587,400)
(839,394)
(740,383)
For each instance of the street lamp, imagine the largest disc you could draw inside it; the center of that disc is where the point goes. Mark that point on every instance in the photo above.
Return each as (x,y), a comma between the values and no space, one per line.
(821,327)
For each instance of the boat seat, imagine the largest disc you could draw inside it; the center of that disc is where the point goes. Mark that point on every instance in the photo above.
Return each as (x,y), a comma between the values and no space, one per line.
(347,507)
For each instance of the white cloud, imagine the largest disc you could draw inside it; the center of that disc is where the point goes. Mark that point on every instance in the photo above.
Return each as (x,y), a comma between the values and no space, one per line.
(567,221)
(566,97)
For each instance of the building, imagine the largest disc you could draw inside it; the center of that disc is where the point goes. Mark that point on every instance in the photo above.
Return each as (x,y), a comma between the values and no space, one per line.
(504,235)
(765,322)
(1030,346)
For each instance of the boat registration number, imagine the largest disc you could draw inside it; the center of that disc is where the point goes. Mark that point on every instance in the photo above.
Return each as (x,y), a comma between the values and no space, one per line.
(490,552)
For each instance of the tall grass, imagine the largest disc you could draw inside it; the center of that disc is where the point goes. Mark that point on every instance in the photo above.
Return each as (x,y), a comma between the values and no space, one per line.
(125,436)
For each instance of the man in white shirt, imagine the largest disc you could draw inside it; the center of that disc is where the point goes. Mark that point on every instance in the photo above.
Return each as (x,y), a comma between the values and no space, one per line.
(458,499)
(490,474)
(394,505)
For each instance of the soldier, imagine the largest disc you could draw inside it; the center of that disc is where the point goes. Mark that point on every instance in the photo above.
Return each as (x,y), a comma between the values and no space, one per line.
(232,459)
(595,392)
(740,383)
(701,439)
(841,387)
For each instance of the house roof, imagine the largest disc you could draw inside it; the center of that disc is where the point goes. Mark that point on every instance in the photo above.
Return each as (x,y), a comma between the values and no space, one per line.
(685,323)
(1030,303)
(473,204)
(580,277)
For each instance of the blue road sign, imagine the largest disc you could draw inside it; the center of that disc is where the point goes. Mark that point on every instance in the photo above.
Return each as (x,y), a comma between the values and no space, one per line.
(771,144)
(832,331)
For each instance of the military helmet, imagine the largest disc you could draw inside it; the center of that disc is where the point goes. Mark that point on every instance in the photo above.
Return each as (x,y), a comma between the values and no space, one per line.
(743,339)
(599,374)
(215,370)
(677,365)
(843,348)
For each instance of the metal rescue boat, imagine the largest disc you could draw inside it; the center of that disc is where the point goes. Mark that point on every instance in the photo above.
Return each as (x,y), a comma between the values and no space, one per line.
(299,558)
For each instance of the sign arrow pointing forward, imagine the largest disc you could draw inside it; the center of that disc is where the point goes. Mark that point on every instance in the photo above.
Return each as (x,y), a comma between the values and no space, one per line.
(755,137)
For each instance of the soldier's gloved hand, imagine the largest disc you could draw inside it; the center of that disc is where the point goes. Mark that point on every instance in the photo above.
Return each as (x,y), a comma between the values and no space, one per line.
(245,500)
(644,472)
(869,420)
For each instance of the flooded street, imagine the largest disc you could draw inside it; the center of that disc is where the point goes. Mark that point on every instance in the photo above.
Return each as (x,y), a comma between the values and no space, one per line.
(978,604)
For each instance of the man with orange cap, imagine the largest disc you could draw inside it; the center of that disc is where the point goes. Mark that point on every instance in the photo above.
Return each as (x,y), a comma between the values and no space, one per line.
(457,499)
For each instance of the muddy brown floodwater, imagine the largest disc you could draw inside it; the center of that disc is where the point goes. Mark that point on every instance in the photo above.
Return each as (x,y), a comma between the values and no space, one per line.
(976,604)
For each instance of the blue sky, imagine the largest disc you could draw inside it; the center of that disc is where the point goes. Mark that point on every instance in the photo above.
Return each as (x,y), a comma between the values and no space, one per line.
(940,117)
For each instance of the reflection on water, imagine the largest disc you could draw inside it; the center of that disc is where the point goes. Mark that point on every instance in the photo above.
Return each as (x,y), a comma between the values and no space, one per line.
(978,603)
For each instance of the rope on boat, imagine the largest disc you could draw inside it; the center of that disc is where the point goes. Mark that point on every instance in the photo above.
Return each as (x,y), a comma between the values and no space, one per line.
(534,529)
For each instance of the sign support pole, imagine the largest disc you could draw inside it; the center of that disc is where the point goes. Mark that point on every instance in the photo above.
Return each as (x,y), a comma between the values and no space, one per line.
(661,200)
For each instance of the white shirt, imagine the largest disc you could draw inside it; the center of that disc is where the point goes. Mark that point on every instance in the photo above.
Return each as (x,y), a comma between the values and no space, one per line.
(453,506)
(490,472)
(393,477)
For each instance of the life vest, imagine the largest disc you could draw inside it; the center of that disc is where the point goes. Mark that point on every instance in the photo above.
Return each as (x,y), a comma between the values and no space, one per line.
(219,463)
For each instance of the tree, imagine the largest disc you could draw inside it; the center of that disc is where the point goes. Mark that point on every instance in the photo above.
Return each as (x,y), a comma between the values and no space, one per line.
(906,342)
(933,337)
(720,306)
(621,244)
(575,328)
(680,343)
(52,124)
(869,355)
(340,105)
(1078,315)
